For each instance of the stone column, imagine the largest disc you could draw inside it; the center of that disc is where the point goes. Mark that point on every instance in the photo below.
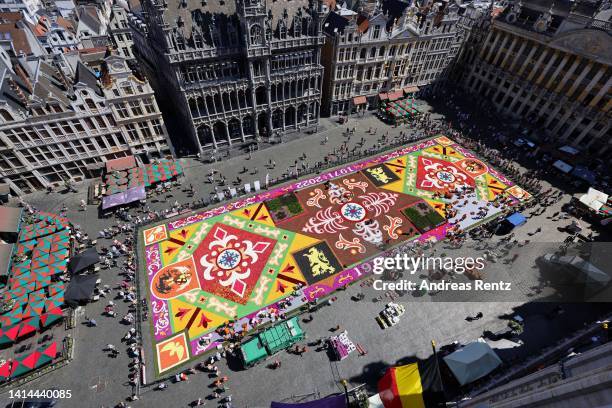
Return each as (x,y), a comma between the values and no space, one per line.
(570,109)
(498,35)
(585,131)
(599,135)
(568,75)
(553,58)
(529,57)
(501,49)
(605,89)
(592,83)
(578,81)
(537,65)
(518,55)
(556,73)
(227,133)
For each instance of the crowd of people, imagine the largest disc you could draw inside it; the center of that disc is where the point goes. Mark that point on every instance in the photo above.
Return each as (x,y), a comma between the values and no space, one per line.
(117,241)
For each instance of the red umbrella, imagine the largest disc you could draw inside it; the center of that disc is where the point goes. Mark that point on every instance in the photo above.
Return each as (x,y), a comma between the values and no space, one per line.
(50,351)
(29,326)
(11,332)
(5,369)
(51,316)
(31,359)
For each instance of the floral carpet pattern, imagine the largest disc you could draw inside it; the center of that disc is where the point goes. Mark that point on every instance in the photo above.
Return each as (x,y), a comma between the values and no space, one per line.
(235,260)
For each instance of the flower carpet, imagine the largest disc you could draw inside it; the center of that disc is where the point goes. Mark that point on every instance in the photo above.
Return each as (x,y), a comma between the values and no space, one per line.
(234,261)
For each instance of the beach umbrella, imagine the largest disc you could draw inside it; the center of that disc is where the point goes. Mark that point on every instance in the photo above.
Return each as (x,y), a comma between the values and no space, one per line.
(18,369)
(37,296)
(20,268)
(59,245)
(51,350)
(31,244)
(9,334)
(40,262)
(51,259)
(24,365)
(43,282)
(36,307)
(44,243)
(52,316)
(21,279)
(31,359)
(16,292)
(61,254)
(56,288)
(61,236)
(61,265)
(47,354)
(55,301)
(43,271)
(7,321)
(29,326)
(5,369)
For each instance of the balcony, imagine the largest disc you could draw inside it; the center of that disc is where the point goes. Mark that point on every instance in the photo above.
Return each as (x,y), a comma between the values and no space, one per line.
(198,54)
(258,52)
(297,42)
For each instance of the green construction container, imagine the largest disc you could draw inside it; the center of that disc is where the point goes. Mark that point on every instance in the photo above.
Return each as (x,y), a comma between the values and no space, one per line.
(271,341)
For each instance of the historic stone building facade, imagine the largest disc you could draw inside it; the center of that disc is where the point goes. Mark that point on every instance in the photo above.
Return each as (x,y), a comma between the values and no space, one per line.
(234,71)
(54,128)
(548,63)
(394,46)
(120,32)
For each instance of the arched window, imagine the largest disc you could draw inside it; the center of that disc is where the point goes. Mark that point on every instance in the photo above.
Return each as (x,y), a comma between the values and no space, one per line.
(362,54)
(381,52)
(6,115)
(306,26)
(373,52)
(297,26)
(256,35)
(282,30)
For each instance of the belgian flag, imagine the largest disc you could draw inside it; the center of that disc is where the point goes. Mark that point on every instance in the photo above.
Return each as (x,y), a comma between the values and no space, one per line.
(416,385)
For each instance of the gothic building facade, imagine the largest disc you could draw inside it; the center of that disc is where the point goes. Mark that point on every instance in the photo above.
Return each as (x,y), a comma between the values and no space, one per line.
(233,71)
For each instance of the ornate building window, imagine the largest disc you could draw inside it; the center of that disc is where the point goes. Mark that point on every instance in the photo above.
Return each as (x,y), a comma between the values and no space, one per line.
(297,26)
(282,30)
(256,35)
(306,26)
(198,40)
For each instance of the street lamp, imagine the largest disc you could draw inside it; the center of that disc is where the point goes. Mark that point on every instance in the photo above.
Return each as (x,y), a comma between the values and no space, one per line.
(344,384)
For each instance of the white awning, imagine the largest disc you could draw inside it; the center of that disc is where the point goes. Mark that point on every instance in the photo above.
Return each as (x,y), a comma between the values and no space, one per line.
(598,195)
(591,202)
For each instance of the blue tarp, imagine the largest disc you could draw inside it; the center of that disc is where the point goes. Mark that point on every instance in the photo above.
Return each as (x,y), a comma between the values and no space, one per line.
(583,173)
(333,401)
(517,219)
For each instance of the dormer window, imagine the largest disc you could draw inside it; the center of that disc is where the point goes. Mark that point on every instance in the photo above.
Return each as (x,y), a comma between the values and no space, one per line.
(256,35)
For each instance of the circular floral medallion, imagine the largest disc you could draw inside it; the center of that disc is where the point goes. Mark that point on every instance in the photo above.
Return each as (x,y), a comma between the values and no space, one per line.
(353,212)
